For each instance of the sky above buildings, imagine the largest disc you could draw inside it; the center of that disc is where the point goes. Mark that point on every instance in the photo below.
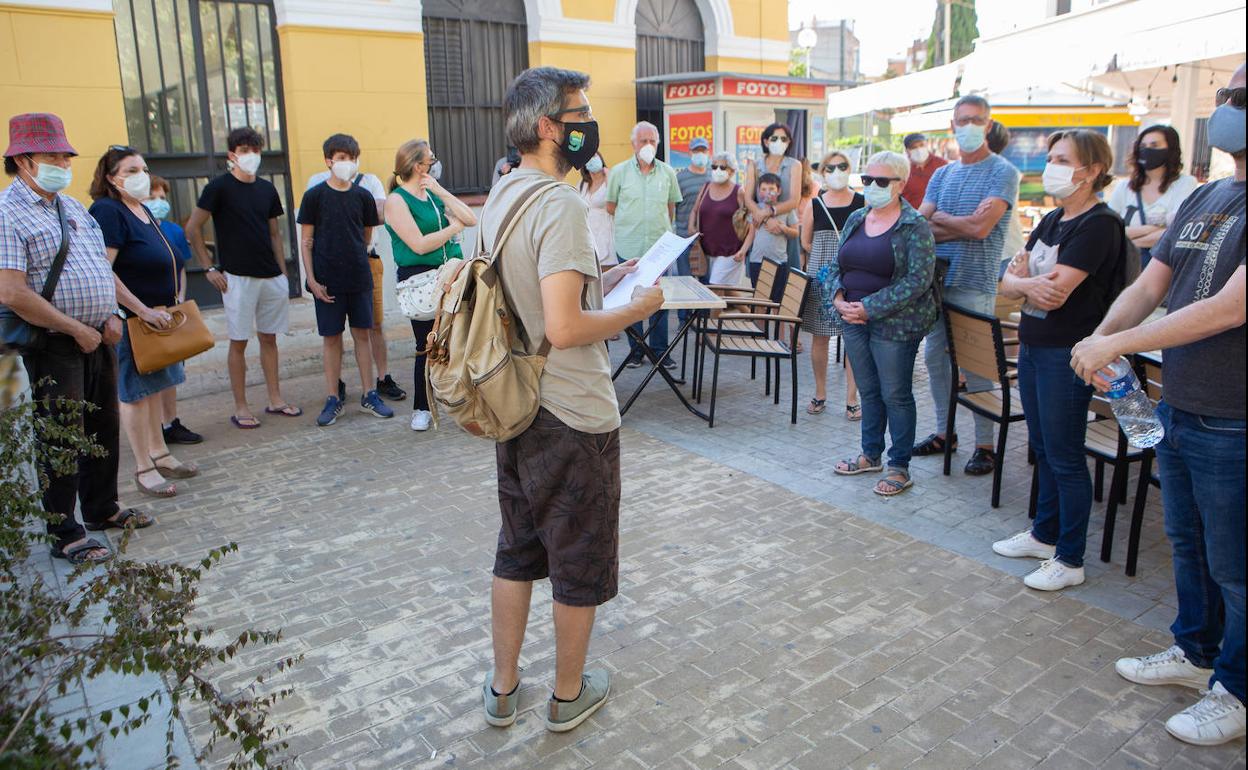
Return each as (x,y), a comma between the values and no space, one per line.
(886,29)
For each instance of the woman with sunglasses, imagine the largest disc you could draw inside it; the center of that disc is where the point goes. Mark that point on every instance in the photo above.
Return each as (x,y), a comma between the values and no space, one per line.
(712,215)
(424,222)
(821,239)
(146,271)
(881,285)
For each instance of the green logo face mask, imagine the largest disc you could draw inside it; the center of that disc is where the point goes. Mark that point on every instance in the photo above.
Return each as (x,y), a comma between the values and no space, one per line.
(575,140)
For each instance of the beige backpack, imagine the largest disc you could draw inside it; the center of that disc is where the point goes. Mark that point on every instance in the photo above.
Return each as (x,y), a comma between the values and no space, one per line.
(478,371)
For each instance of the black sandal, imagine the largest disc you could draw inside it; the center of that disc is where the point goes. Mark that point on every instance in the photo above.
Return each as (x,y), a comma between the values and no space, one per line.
(933,445)
(121,520)
(78,554)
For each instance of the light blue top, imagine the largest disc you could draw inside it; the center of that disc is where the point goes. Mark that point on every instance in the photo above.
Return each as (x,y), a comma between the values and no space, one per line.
(958,189)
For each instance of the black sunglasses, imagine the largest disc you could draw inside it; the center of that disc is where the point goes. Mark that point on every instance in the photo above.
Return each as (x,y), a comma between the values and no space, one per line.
(842,166)
(879,181)
(1233,95)
(722,167)
(122,148)
(778,138)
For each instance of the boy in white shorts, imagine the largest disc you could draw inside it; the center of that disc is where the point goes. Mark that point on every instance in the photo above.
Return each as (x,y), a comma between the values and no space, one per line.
(252,277)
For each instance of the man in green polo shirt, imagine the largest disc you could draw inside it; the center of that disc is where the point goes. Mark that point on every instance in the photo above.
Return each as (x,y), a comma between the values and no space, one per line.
(642,193)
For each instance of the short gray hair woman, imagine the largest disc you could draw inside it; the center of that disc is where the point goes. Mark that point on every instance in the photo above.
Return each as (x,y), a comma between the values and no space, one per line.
(712,218)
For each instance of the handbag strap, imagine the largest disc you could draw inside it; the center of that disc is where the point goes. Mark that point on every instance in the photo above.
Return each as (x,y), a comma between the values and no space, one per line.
(58,262)
(1139,202)
(828,214)
(151,221)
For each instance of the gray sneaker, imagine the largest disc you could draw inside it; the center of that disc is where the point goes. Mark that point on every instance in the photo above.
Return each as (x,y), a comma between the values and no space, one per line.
(500,710)
(561,717)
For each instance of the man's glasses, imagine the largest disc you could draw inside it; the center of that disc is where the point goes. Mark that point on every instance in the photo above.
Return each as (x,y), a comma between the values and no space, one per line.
(582,111)
(842,166)
(879,181)
(1235,96)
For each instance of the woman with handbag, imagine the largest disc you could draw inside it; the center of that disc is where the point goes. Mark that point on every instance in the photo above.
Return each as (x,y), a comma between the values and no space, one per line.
(821,240)
(715,216)
(425,222)
(145,270)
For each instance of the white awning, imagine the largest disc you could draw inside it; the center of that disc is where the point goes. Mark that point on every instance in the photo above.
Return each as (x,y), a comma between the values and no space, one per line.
(1121,36)
(920,87)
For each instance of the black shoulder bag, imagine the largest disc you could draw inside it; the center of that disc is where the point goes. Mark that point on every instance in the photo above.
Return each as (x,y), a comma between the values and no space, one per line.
(18,334)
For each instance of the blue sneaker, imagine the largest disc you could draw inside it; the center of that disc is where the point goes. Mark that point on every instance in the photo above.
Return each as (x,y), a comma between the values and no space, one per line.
(329,415)
(372,403)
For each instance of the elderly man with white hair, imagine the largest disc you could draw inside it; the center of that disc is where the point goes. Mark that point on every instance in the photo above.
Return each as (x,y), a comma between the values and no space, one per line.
(880,282)
(642,193)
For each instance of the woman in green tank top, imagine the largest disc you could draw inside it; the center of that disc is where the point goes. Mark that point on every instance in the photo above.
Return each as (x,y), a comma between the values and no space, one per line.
(424,221)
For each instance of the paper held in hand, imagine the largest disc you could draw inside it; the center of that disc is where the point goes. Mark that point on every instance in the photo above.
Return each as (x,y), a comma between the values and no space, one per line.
(653,264)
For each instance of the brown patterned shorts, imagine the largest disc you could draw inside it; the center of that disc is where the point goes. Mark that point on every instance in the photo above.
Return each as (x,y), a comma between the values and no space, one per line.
(559,491)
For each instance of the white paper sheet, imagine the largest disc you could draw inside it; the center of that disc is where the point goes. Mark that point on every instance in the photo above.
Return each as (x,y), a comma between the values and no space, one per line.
(653,264)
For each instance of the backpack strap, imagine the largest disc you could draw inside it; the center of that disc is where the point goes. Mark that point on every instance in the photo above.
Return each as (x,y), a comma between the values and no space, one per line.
(509,221)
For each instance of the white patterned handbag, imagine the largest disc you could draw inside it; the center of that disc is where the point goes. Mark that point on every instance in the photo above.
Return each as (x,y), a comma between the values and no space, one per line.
(418,296)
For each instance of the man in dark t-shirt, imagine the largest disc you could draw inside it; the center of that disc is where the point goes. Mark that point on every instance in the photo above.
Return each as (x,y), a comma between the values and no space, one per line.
(1198,268)
(336,221)
(252,275)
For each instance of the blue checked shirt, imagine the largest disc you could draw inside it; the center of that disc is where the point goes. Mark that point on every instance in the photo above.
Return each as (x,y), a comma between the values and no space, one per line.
(958,189)
(30,236)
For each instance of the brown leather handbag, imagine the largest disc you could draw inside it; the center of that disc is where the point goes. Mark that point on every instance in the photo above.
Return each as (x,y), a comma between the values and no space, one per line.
(188,336)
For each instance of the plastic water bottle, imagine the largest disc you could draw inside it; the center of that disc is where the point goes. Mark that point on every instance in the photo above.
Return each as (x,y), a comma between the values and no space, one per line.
(1135,412)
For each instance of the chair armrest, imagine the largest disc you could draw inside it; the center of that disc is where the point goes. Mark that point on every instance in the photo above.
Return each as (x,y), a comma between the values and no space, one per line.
(752,302)
(758,317)
(726,287)
(1010,325)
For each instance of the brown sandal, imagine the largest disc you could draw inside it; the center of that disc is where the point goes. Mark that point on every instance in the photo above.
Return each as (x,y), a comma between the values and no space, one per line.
(179,471)
(164,489)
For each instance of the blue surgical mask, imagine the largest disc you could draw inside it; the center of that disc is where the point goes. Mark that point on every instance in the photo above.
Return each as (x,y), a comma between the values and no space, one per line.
(1226,129)
(52,178)
(594,165)
(878,197)
(969,137)
(159,207)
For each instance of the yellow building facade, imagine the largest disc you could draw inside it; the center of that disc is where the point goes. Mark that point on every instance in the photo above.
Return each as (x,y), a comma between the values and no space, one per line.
(353,66)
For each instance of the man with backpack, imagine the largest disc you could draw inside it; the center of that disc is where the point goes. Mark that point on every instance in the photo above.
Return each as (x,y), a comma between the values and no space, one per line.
(558,479)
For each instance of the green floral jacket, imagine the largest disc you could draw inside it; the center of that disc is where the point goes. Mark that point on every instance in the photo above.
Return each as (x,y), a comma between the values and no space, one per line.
(906,309)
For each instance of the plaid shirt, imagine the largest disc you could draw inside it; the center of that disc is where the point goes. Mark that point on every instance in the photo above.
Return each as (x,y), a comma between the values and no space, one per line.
(30,236)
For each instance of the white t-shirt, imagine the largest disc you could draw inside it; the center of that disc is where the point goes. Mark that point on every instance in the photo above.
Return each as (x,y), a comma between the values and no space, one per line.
(1159,212)
(371,183)
(600,225)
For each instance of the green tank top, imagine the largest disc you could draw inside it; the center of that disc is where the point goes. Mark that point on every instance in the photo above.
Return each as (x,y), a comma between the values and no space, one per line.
(430,216)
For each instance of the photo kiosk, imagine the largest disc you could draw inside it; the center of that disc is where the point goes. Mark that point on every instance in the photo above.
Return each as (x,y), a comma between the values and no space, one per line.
(731,110)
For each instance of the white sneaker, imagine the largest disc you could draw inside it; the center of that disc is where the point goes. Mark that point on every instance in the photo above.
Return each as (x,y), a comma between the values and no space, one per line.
(1215,719)
(1167,667)
(1024,544)
(1052,575)
(421,420)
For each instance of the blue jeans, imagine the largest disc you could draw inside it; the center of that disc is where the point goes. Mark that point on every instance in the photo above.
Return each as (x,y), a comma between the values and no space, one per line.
(885,373)
(940,373)
(1057,425)
(658,335)
(1201,466)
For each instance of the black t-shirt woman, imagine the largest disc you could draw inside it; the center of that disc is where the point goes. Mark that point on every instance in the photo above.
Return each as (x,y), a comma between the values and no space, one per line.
(1068,274)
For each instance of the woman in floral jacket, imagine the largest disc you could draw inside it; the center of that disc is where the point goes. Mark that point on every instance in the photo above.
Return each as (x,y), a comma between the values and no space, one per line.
(881,286)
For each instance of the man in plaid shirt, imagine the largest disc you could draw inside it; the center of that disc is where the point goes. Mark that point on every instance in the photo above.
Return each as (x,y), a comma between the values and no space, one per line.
(77,362)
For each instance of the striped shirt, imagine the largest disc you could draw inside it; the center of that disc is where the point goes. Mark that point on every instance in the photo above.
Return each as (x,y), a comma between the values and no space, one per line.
(958,189)
(30,237)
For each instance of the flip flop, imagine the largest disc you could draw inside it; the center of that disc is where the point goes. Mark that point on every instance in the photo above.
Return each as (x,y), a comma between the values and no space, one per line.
(244,423)
(121,520)
(78,554)
(285,410)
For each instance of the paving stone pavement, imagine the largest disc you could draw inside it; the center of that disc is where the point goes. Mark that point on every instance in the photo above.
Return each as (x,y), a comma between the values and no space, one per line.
(770,614)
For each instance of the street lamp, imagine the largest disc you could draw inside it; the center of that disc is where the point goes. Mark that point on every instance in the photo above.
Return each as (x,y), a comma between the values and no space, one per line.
(807,39)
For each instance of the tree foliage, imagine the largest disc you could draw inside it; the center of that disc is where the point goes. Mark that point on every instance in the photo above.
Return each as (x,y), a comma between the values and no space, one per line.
(126,616)
(963,30)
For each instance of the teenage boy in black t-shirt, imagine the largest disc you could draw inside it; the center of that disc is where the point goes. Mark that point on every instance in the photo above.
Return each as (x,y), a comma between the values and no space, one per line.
(336,221)
(252,276)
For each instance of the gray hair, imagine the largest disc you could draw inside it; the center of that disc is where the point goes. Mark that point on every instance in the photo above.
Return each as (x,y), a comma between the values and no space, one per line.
(975,100)
(725,157)
(534,93)
(632,135)
(896,162)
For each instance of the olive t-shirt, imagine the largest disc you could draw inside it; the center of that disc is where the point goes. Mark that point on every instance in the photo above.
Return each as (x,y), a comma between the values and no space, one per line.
(1203,247)
(551,237)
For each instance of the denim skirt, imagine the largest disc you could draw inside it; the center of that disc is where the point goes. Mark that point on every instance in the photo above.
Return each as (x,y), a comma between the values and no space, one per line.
(132,386)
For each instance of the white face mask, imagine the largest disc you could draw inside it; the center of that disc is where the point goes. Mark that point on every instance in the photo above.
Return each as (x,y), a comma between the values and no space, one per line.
(594,165)
(138,186)
(647,153)
(878,197)
(777,147)
(837,180)
(345,170)
(435,170)
(719,175)
(919,155)
(248,162)
(699,159)
(1058,180)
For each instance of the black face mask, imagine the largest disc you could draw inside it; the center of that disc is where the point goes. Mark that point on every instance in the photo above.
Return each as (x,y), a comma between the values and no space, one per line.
(580,142)
(1149,158)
